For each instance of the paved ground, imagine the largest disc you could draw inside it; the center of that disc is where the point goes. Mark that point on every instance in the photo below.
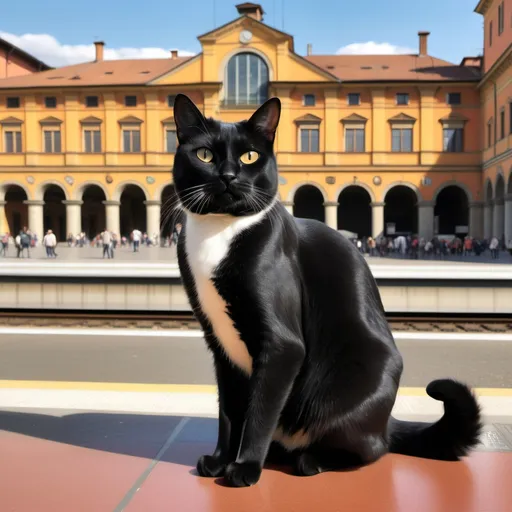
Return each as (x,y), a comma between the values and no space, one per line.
(94,462)
(166,254)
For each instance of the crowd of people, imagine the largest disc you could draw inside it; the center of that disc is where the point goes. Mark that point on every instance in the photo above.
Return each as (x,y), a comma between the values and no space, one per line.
(400,246)
(108,241)
(415,247)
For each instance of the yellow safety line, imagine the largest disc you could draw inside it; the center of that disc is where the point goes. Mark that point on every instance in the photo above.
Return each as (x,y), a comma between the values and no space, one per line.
(183,388)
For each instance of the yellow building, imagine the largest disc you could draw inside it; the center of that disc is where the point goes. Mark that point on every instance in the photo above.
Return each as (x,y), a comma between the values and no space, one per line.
(369,144)
(496,93)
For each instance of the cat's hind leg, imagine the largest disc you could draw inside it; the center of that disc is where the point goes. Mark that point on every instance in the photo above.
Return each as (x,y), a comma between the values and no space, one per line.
(330,455)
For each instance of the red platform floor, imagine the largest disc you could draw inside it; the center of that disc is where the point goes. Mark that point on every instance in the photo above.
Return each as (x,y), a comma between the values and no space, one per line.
(93,462)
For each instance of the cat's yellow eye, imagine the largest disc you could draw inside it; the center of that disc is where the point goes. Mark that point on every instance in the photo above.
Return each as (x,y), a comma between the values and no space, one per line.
(205,155)
(250,157)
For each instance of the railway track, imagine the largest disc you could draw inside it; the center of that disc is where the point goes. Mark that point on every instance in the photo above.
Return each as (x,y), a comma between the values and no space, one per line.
(185,321)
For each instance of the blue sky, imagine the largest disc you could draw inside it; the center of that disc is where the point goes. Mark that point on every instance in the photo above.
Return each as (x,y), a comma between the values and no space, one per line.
(60,31)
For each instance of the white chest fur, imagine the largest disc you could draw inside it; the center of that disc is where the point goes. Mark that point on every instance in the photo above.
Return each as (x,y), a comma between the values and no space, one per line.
(207,243)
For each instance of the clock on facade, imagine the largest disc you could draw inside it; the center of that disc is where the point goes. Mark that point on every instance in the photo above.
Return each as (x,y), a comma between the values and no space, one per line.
(245,36)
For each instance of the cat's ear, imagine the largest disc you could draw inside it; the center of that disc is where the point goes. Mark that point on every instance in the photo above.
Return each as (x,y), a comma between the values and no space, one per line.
(266,118)
(189,120)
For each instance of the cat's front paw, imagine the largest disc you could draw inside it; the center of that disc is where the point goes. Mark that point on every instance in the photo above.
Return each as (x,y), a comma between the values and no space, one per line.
(211,466)
(242,474)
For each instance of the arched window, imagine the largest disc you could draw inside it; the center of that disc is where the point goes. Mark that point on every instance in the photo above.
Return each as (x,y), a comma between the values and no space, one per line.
(246,80)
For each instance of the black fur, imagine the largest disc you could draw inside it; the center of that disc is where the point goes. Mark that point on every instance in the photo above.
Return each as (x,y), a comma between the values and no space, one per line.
(308,309)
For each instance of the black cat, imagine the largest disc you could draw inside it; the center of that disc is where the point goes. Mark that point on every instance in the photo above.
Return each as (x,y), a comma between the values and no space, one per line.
(306,365)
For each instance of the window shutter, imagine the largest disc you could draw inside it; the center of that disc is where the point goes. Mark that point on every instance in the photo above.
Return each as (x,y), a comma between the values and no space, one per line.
(56,140)
(359,140)
(18,142)
(136,141)
(87,140)
(315,145)
(395,139)
(97,141)
(349,140)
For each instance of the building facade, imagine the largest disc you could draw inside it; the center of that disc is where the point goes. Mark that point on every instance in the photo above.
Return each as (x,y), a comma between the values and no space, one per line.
(372,145)
(496,97)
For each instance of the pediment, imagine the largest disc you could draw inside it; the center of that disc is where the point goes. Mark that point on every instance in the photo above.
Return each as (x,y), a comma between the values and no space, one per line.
(11,120)
(453,117)
(130,120)
(50,120)
(402,118)
(245,23)
(91,120)
(308,118)
(168,120)
(354,118)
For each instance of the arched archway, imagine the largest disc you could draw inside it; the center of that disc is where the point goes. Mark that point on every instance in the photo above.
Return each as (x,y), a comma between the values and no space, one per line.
(355,211)
(451,210)
(401,210)
(500,187)
(169,214)
(93,211)
(133,210)
(308,203)
(246,80)
(54,211)
(16,212)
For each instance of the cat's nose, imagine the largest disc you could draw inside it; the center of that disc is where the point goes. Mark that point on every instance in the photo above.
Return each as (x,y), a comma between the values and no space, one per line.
(227,177)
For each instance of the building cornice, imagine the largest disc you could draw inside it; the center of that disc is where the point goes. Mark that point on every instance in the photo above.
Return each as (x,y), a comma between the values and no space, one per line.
(483,6)
(499,67)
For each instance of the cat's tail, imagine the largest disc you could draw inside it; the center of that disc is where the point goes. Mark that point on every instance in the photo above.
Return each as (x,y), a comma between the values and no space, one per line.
(452,436)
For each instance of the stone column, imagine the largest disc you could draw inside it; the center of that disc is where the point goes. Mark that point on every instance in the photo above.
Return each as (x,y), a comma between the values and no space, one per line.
(476,219)
(73,216)
(289,206)
(377,219)
(35,217)
(498,219)
(426,219)
(488,207)
(331,214)
(153,217)
(508,218)
(112,215)
(4,226)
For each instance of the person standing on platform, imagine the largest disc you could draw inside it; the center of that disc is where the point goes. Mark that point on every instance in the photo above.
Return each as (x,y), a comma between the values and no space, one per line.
(4,245)
(24,243)
(50,242)
(106,239)
(136,237)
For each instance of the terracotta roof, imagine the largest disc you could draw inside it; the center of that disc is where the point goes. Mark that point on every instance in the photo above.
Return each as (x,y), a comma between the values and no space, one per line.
(106,72)
(389,68)
(23,54)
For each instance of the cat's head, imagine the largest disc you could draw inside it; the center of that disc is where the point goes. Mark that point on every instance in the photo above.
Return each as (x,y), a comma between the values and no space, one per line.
(225,168)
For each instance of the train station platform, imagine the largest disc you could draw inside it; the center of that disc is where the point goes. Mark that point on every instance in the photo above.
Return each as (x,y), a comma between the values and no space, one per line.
(132,282)
(62,461)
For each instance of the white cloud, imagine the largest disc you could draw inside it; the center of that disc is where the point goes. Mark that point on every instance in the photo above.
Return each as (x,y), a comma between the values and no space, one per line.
(48,49)
(373,48)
